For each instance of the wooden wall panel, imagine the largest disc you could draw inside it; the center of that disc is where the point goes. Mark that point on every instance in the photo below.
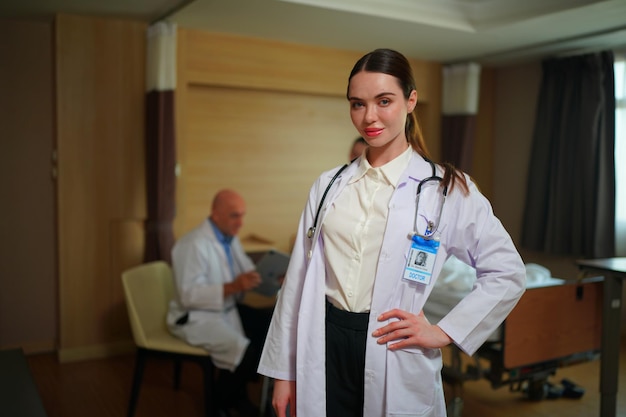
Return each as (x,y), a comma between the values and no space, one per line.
(482,164)
(267,118)
(28,281)
(228,60)
(100,76)
(271,154)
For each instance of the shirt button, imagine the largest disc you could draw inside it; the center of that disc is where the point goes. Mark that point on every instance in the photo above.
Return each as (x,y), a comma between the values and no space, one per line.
(350,294)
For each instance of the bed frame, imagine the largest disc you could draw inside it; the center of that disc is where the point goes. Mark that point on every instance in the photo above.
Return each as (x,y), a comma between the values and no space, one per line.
(551,327)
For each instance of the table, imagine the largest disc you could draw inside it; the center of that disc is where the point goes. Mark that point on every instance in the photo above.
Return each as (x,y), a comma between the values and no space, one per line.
(18,392)
(614,271)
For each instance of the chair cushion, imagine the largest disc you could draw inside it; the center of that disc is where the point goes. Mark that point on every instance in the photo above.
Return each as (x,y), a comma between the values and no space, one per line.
(163,340)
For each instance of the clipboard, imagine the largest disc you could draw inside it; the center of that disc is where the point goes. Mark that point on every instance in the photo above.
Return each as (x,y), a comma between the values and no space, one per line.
(272,266)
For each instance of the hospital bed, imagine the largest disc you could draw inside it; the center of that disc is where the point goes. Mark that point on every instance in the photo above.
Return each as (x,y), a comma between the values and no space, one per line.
(556,323)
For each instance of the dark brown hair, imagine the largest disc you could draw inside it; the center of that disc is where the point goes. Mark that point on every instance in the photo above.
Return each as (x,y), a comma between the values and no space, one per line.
(390,62)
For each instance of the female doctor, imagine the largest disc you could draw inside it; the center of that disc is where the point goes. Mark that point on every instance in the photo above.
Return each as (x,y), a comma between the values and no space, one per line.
(348,336)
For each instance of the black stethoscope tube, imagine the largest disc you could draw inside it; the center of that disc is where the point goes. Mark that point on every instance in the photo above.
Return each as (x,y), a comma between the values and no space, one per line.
(433,177)
(311,230)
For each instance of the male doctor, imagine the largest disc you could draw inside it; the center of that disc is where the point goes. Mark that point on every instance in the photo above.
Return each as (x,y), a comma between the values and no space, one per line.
(211,272)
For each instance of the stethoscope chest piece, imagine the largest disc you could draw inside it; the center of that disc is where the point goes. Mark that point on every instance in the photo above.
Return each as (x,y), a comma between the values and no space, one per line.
(310,232)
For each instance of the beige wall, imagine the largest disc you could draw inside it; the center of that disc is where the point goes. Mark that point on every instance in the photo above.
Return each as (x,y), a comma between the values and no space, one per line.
(94,107)
(482,164)
(266,118)
(28,284)
(67,296)
(517,91)
(100,91)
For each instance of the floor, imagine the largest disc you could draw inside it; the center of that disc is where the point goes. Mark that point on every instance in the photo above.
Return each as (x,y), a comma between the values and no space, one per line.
(480,399)
(100,388)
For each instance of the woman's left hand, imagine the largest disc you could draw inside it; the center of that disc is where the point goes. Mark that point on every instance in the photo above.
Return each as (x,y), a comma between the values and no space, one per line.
(410,330)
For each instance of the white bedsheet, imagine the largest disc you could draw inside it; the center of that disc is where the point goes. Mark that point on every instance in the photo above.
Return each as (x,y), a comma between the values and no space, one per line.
(457,279)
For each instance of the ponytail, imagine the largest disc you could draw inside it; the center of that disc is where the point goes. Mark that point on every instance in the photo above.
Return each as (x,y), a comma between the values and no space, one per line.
(451,175)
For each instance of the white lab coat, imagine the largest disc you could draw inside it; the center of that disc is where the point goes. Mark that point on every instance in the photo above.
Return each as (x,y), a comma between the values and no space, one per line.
(406,382)
(200,271)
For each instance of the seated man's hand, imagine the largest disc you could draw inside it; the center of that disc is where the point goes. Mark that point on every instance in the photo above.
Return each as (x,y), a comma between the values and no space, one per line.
(242,283)
(248,281)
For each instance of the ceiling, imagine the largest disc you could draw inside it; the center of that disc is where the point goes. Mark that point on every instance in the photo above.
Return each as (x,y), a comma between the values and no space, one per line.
(491,32)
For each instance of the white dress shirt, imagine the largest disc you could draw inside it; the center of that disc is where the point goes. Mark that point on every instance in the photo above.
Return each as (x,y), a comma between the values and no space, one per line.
(353,233)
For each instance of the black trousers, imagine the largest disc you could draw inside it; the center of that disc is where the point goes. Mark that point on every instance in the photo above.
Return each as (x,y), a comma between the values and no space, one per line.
(346,335)
(256,322)
(231,386)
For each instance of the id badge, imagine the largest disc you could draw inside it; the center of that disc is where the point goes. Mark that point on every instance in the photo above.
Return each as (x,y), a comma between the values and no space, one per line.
(421,260)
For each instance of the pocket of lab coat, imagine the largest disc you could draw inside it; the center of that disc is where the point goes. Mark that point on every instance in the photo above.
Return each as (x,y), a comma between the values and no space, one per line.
(413,381)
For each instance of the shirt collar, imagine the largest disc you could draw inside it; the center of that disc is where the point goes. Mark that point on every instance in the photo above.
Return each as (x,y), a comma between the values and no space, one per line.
(221,237)
(392,170)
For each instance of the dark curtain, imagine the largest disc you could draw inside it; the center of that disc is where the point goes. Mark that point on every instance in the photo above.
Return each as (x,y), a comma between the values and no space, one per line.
(570,197)
(160,175)
(457,140)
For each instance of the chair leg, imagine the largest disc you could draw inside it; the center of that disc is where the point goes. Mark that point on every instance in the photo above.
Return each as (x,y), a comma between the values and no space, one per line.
(177,371)
(265,388)
(210,406)
(140,360)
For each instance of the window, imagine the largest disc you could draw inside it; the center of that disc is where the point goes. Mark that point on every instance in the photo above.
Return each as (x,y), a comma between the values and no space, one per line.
(620,154)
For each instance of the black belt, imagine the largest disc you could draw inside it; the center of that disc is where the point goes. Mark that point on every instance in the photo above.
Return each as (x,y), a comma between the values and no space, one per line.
(185,317)
(347,319)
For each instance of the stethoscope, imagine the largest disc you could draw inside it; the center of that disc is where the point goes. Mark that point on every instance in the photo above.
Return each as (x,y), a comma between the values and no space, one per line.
(431,227)
(311,230)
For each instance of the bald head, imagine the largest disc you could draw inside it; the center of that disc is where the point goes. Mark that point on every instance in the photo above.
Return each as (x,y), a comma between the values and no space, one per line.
(227,211)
